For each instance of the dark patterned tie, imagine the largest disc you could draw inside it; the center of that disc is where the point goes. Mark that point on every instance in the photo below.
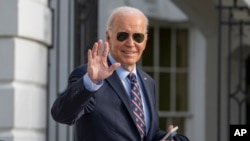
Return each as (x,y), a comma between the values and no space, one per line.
(136,104)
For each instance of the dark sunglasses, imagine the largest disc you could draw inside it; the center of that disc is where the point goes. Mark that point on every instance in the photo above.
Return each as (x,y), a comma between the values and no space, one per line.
(122,36)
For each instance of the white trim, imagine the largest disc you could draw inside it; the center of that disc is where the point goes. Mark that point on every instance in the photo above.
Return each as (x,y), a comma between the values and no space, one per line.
(195,126)
(247,2)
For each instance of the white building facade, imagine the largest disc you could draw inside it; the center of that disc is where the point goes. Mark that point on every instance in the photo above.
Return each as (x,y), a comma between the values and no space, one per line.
(25,36)
(42,41)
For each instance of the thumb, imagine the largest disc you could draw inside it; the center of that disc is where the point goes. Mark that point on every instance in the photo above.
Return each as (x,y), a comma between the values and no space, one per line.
(170,127)
(114,66)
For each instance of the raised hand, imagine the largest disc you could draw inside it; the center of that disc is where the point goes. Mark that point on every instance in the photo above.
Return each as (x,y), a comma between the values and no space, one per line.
(98,68)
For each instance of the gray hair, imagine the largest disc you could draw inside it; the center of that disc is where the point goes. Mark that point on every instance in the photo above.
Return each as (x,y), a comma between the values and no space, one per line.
(124,10)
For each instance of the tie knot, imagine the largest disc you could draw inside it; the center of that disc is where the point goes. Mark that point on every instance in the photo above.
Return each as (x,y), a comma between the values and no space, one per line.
(132,77)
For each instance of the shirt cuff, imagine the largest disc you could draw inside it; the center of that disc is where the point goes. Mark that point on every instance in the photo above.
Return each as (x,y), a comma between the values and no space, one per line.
(89,85)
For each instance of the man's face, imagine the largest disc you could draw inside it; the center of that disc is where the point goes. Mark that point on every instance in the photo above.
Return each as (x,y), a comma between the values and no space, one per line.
(127,39)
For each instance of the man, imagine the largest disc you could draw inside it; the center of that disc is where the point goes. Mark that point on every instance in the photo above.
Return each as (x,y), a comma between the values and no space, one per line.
(99,100)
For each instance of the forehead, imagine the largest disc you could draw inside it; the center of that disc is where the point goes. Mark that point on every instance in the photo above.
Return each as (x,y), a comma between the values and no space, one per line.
(129,22)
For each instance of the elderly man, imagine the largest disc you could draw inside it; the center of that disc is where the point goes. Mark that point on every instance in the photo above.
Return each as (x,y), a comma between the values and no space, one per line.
(110,98)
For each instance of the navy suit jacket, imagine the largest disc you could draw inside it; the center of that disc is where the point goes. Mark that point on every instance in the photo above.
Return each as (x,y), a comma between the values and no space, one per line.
(104,115)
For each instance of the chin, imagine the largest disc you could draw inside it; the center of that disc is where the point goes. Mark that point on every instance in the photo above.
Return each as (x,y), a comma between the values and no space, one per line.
(129,62)
(129,65)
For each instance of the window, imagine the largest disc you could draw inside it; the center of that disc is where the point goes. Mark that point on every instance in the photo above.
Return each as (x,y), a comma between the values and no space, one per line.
(166,60)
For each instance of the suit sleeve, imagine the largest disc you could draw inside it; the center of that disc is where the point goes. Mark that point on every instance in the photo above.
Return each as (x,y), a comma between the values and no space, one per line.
(74,101)
(180,137)
(177,137)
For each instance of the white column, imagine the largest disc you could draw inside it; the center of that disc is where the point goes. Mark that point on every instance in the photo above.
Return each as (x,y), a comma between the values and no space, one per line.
(194,128)
(25,34)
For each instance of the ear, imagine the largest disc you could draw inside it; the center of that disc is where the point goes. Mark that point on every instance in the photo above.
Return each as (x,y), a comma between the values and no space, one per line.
(107,36)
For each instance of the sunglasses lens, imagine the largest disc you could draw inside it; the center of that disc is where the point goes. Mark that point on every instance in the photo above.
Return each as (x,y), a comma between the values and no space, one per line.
(122,36)
(138,37)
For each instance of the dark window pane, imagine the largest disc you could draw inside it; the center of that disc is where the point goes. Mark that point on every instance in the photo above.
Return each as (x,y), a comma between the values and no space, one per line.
(181,92)
(180,123)
(163,123)
(148,54)
(165,47)
(151,74)
(182,47)
(164,91)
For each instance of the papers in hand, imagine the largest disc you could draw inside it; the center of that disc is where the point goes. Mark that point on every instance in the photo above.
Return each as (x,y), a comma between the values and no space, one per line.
(170,133)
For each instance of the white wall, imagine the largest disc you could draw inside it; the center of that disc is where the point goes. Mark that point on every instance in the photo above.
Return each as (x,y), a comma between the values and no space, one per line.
(25,34)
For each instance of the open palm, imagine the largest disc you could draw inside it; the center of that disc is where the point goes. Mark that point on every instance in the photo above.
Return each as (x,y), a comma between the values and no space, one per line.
(98,68)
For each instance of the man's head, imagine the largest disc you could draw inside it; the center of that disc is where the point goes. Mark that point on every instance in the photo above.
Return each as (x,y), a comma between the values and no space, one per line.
(126,34)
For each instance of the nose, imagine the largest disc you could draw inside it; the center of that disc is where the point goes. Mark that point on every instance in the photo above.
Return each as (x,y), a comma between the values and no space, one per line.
(130,41)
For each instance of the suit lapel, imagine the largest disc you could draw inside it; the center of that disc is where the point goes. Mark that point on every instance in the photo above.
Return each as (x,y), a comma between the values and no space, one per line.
(148,91)
(118,87)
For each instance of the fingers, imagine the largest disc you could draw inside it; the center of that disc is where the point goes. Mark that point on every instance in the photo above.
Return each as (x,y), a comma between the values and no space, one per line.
(89,56)
(114,66)
(105,54)
(96,50)
(99,47)
(169,128)
(106,50)
(98,54)
(92,52)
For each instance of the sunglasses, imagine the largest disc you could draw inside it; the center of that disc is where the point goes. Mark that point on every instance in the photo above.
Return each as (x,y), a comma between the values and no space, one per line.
(122,36)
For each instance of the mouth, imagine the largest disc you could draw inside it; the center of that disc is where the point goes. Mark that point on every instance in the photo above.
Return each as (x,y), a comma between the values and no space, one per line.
(129,52)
